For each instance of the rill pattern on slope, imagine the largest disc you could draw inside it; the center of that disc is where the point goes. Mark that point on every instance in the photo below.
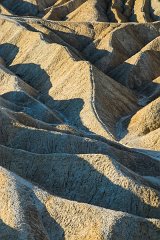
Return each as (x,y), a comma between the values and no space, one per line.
(80,119)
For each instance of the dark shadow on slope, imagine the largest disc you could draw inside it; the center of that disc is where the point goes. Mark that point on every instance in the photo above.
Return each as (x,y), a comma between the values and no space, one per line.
(6,232)
(147,94)
(126,228)
(62,109)
(33,75)
(137,76)
(29,105)
(74,42)
(20,7)
(52,227)
(121,50)
(8,52)
(153,14)
(148,152)
(38,78)
(78,42)
(74,178)
(41,225)
(121,74)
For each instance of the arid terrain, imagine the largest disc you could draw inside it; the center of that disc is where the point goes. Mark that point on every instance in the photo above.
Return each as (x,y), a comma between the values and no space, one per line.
(80,120)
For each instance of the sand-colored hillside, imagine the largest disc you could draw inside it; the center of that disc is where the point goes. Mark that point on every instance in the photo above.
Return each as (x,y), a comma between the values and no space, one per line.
(79,120)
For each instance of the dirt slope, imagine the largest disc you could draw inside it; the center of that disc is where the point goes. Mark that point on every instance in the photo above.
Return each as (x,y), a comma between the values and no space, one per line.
(79,120)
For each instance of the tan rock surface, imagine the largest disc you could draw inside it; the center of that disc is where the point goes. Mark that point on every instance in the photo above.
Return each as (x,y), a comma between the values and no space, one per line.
(79,120)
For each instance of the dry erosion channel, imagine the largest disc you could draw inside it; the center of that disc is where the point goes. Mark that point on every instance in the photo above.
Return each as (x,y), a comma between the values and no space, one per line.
(79,120)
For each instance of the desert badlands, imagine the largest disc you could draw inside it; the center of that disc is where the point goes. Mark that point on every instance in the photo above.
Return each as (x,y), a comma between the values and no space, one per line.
(80,120)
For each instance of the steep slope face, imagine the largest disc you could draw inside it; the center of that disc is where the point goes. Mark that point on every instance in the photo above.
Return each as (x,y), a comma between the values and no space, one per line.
(88,10)
(79,120)
(87,103)
(144,127)
(21,8)
(141,68)
(35,214)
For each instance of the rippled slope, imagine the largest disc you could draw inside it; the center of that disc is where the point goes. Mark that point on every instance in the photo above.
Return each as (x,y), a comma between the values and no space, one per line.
(80,120)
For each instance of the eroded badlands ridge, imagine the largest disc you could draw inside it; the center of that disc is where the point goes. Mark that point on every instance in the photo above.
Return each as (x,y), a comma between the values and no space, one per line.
(80,120)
